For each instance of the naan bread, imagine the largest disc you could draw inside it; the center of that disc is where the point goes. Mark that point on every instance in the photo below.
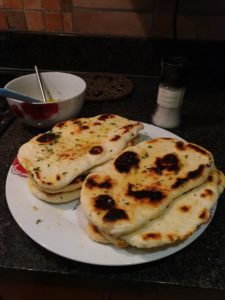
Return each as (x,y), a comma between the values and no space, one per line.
(94,234)
(101,237)
(72,147)
(74,185)
(141,182)
(221,181)
(62,195)
(52,198)
(181,219)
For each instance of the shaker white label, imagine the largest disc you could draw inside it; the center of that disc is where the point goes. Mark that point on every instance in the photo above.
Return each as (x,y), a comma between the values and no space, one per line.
(170,99)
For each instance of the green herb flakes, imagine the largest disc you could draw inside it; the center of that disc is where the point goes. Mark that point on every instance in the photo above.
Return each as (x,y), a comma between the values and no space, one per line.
(38,221)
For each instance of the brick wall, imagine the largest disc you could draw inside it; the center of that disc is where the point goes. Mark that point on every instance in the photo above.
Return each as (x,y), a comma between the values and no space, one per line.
(196,19)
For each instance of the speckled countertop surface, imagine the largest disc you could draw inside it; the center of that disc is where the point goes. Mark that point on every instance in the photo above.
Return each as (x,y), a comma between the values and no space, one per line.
(200,265)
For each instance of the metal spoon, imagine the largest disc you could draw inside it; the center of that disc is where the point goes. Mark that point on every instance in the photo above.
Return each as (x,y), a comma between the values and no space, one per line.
(17,96)
(40,83)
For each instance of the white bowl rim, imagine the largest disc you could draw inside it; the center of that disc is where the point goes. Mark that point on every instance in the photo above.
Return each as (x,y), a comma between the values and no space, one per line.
(47,72)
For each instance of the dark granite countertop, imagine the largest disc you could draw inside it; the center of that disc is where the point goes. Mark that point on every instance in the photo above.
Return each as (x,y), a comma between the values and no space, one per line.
(200,265)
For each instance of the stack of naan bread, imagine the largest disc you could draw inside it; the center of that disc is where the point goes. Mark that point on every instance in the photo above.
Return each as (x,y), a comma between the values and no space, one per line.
(154,193)
(58,160)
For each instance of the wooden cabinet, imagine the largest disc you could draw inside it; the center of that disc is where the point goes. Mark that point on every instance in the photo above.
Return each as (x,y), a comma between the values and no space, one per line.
(32,291)
(21,290)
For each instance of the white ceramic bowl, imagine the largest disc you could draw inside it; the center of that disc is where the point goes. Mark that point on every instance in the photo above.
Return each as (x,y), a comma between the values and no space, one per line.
(66,90)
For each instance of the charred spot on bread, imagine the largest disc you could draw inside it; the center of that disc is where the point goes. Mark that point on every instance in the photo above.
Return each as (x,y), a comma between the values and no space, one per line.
(169,162)
(80,124)
(204,215)
(191,175)
(210,178)
(115,138)
(95,228)
(126,161)
(104,202)
(79,178)
(96,150)
(60,124)
(185,208)
(76,121)
(198,149)
(206,193)
(105,117)
(171,237)
(152,195)
(36,172)
(47,137)
(92,183)
(152,235)
(128,127)
(180,145)
(115,214)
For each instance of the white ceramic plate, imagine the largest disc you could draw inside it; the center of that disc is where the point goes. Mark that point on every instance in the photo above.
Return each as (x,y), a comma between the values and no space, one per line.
(61,228)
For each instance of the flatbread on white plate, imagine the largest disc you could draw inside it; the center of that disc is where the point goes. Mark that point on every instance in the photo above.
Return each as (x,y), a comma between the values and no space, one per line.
(74,185)
(94,234)
(181,219)
(77,182)
(60,197)
(177,222)
(141,182)
(72,147)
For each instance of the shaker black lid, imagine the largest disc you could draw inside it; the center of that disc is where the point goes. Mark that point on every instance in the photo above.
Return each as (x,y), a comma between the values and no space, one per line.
(174,71)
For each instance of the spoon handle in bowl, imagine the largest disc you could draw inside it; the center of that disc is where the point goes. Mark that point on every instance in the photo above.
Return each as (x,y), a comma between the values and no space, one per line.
(40,83)
(17,96)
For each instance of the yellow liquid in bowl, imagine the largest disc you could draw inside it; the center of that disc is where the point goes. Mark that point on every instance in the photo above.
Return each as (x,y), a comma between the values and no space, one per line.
(51,100)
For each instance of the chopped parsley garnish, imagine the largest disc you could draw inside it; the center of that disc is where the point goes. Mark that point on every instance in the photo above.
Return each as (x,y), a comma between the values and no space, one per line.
(38,221)
(36,169)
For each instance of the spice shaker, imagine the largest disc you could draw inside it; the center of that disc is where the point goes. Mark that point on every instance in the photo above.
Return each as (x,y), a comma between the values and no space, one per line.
(171,92)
